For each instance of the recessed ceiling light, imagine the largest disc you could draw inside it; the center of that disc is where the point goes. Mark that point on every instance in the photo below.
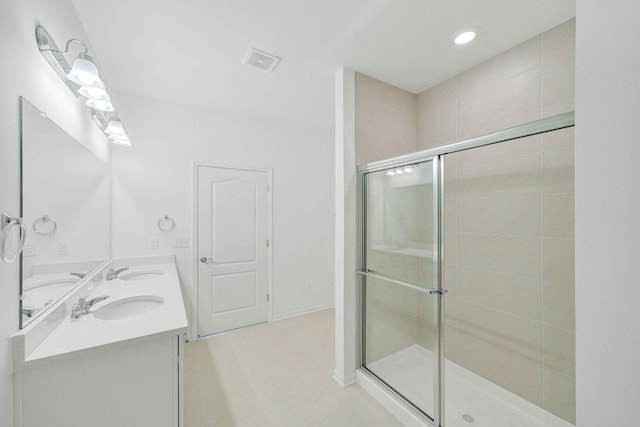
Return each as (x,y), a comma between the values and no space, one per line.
(465,37)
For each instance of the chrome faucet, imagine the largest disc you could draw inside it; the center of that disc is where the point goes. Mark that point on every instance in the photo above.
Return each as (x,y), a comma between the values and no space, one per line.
(80,275)
(82,307)
(29,311)
(113,274)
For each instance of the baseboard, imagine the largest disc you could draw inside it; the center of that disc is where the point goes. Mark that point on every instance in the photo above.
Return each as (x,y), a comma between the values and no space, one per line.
(344,381)
(301,312)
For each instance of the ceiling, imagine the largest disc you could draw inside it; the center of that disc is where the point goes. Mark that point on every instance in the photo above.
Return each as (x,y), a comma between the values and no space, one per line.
(191,52)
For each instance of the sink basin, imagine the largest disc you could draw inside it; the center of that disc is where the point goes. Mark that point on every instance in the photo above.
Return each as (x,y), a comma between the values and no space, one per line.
(129,307)
(140,275)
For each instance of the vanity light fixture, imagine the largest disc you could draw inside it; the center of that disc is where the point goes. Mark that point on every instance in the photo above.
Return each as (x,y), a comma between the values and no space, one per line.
(93,92)
(111,125)
(101,104)
(114,127)
(123,141)
(83,78)
(464,37)
(84,71)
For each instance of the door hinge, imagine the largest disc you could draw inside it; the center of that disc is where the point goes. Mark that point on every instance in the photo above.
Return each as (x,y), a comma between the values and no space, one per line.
(267,242)
(267,297)
(268,188)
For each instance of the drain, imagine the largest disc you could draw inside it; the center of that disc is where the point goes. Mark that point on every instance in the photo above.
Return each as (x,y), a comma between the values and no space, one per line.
(468,418)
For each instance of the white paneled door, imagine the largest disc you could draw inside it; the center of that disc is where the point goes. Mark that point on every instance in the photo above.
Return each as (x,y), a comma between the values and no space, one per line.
(233,220)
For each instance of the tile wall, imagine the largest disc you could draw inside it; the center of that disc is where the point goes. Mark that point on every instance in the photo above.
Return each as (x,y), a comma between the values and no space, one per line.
(530,81)
(385,120)
(509,248)
(509,270)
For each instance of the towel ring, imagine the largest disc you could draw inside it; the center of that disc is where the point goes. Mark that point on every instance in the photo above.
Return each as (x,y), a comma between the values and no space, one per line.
(6,222)
(166,223)
(41,221)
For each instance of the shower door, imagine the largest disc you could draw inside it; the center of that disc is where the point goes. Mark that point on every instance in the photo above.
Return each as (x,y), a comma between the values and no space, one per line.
(400,282)
(501,240)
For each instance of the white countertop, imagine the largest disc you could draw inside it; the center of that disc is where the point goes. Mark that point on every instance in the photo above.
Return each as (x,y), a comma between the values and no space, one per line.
(89,332)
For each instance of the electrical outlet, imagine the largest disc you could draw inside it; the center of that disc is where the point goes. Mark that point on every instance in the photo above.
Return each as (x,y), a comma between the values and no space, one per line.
(63,249)
(181,242)
(29,250)
(153,243)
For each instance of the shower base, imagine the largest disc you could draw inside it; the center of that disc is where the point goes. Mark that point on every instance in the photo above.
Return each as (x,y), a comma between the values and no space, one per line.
(470,400)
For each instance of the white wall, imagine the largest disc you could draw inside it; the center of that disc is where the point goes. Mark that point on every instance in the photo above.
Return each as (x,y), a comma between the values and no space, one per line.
(607,213)
(25,72)
(154,178)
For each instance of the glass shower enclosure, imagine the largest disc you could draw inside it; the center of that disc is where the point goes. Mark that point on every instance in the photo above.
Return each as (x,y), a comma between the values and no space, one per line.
(465,294)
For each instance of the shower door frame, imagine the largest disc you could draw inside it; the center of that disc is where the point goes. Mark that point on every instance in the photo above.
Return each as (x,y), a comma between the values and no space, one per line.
(435,290)
(436,155)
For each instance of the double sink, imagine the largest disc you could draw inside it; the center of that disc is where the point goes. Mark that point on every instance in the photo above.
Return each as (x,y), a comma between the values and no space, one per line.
(131,306)
(142,301)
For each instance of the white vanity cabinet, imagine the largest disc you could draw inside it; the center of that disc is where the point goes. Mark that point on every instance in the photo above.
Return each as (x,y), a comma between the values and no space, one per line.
(116,364)
(128,384)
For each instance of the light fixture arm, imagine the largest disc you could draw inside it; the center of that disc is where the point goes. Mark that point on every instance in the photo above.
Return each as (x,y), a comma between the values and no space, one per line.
(51,52)
(66,48)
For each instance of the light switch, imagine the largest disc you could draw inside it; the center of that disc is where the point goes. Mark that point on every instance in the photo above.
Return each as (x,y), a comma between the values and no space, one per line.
(181,242)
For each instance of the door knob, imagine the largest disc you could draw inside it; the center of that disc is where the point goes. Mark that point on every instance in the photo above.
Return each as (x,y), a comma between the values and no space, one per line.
(206,260)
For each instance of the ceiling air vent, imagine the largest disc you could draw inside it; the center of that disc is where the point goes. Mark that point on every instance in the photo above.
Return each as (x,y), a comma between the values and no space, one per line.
(263,60)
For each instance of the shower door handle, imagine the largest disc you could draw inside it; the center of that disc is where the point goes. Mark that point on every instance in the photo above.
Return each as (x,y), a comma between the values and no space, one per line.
(437,291)
(206,260)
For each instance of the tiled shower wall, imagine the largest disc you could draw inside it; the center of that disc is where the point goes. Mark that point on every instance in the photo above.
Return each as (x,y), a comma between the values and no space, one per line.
(530,81)
(509,215)
(509,267)
(385,120)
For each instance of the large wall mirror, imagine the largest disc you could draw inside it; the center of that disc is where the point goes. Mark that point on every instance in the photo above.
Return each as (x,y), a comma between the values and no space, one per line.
(66,207)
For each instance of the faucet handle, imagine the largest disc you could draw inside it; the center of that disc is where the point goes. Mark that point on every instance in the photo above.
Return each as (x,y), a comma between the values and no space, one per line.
(113,274)
(96,300)
(80,275)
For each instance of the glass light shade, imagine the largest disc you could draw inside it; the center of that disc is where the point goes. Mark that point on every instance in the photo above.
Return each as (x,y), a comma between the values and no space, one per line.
(115,128)
(94,92)
(100,104)
(84,71)
(121,140)
(118,137)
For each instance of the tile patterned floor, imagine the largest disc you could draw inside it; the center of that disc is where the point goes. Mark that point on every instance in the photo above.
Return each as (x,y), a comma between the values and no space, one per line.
(274,374)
